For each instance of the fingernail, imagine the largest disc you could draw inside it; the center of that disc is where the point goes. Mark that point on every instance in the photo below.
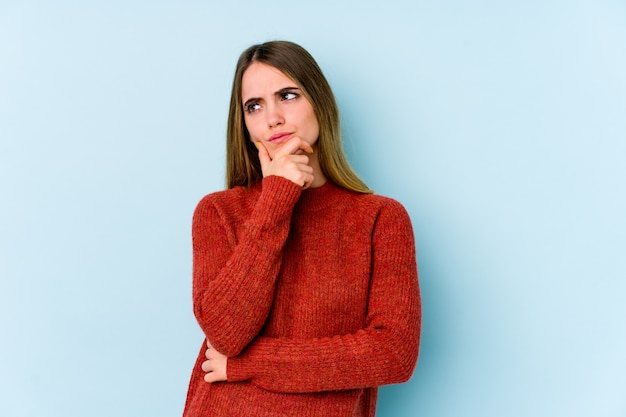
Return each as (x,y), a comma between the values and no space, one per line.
(256,144)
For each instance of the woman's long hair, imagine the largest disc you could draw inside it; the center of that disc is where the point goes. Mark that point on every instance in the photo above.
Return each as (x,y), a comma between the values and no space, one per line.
(242,160)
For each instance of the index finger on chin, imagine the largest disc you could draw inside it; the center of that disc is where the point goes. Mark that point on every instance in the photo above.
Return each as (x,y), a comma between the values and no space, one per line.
(292,146)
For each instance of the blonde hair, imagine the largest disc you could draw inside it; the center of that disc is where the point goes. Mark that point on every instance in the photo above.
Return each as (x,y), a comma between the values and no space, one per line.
(242,161)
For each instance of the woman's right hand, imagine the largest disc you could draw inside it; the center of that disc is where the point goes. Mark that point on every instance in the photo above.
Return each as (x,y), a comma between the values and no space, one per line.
(289,162)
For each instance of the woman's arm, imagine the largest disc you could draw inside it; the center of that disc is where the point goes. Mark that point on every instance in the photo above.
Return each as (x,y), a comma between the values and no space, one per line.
(233,287)
(385,351)
(234,276)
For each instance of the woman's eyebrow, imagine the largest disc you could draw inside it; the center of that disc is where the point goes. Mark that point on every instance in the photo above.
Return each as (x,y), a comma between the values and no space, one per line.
(250,101)
(287,89)
(281,91)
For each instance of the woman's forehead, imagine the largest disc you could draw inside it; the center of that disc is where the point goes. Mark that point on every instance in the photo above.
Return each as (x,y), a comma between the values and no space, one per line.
(260,79)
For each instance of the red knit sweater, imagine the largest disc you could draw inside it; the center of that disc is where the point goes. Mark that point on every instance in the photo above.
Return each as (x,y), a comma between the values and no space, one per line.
(312,295)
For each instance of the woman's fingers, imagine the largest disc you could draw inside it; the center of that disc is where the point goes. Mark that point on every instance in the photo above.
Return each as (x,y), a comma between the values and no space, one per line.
(211,374)
(212,377)
(206,366)
(292,146)
(305,167)
(214,366)
(294,169)
(289,162)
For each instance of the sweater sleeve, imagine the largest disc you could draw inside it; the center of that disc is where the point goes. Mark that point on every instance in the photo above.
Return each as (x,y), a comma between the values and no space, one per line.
(383,352)
(233,282)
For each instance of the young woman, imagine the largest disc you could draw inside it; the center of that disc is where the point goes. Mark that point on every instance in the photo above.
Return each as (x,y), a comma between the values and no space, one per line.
(304,282)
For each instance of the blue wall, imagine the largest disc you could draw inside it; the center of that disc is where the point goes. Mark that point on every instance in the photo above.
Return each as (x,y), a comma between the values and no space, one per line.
(500,125)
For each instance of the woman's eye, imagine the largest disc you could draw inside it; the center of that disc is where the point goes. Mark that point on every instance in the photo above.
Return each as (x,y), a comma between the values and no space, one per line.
(289,96)
(251,108)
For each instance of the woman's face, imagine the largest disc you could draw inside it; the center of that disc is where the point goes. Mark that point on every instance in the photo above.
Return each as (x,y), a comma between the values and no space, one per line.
(275,110)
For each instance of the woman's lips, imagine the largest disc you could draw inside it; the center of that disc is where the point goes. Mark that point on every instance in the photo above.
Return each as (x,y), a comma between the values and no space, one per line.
(279,137)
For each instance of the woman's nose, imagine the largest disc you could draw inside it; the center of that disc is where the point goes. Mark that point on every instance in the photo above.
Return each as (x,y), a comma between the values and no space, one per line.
(274,116)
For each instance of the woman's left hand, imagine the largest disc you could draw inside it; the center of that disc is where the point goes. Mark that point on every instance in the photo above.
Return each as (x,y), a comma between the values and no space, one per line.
(215,365)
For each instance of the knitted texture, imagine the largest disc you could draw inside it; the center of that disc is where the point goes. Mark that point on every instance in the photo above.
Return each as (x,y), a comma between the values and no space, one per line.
(313,296)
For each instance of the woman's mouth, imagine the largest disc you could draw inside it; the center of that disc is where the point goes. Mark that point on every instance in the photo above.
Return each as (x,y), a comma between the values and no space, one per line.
(279,137)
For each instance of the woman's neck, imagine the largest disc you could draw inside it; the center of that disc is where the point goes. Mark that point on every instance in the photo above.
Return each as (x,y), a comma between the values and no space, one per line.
(318,176)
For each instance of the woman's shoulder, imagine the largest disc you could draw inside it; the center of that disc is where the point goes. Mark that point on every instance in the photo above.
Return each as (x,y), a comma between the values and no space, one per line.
(385,214)
(371,207)
(230,200)
(376,202)
(230,194)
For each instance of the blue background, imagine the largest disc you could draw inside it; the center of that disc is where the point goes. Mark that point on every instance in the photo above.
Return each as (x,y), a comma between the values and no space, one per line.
(500,126)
